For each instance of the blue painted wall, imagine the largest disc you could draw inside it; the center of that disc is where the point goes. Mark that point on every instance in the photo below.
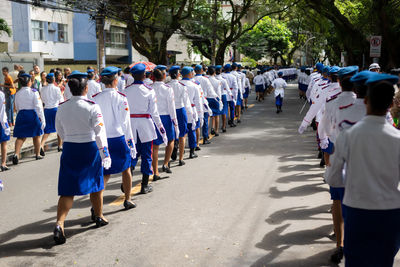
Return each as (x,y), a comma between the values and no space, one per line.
(22,33)
(84,37)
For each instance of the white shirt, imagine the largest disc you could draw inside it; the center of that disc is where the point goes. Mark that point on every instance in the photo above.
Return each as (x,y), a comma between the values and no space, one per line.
(194,97)
(181,97)
(115,109)
(327,124)
(239,82)
(128,80)
(217,85)
(93,88)
(259,80)
(67,92)
(232,83)
(79,120)
(371,151)
(206,86)
(121,83)
(247,83)
(165,100)
(314,77)
(3,114)
(279,85)
(28,99)
(142,100)
(51,96)
(148,81)
(225,87)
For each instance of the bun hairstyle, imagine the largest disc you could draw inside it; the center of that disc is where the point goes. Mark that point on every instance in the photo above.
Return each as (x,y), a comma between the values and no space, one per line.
(24,81)
(108,79)
(90,75)
(174,74)
(211,71)
(50,79)
(77,85)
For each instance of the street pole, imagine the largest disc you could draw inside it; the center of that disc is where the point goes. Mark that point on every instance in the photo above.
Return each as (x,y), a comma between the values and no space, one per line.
(100,38)
(214,33)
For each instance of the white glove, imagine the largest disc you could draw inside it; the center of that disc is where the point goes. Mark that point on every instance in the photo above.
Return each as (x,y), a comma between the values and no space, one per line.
(221,105)
(176,131)
(132,148)
(163,134)
(234,102)
(194,125)
(201,122)
(324,143)
(303,127)
(43,126)
(105,158)
(7,129)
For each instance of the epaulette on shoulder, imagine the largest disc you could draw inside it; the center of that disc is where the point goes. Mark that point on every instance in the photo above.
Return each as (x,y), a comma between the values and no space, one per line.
(148,86)
(326,86)
(96,94)
(333,97)
(89,101)
(167,85)
(182,84)
(347,106)
(34,89)
(64,102)
(121,93)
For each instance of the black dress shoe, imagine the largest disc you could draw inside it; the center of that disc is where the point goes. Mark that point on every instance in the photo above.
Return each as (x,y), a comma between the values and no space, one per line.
(129,205)
(212,131)
(206,142)
(320,154)
(100,222)
(146,189)
(92,216)
(59,149)
(224,130)
(166,169)
(38,157)
(337,256)
(197,148)
(58,235)
(156,178)
(4,168)
(15,159)
(216,134)
(181,163)
(174,154)
(239,121)
(192,155)
(322,163)
(42,152)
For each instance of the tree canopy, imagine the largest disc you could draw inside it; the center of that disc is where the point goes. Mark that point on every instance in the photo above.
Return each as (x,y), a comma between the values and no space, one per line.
(4,28)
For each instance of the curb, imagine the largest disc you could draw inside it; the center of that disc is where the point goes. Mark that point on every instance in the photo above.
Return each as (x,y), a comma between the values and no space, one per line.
(27,151)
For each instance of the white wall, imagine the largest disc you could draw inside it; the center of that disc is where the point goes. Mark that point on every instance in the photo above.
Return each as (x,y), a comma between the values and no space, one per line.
(6,14)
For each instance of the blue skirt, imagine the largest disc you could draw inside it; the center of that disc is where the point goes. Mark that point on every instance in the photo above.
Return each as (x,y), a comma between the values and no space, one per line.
(259,88)
(120,155)
(27,124)
(303,87)
(198,124)
(239,100)
(246,92)
(169,130)
(182,121)
(3,136)
(226,105)
(81,171)
(50,116)
(214,105)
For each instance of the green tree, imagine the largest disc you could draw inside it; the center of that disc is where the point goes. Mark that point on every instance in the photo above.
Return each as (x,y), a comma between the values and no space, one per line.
(268,38)
(4,28)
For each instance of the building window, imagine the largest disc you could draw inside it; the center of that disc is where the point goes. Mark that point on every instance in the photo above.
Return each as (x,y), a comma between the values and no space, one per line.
(116,37)
(37,30)
(63,33)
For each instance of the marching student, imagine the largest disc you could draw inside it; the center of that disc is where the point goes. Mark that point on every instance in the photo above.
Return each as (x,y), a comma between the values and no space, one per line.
(233,85)
(184,111)
(226,94)
(239,99)
(144,114)
(30,120)
(247,90)
(279,85)
(79,122)
(93,86)
(372,199)
(51,97)
(166,109)
(215,104)
(148,80)
(115,110)
(260,85)
(5,132)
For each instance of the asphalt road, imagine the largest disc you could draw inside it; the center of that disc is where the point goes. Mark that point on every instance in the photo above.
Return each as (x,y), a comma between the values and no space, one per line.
(254,197)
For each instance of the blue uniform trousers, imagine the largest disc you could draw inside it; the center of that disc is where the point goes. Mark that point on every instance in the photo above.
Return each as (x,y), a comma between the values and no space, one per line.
(205,125)
(191,136)
(231,110)
(145,151)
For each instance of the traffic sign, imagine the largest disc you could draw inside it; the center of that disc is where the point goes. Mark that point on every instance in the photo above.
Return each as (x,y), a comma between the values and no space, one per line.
(375,46)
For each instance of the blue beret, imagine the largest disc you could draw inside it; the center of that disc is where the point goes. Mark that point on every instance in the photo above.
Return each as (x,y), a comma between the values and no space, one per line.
(234,64)
(161,67)
(138,68)
(326,69)
(350,70)
(90,70)
(227,66)
(173,68)
(77,74)
(25,75)
(280,73)
(334,69)
(110,71)
(218,67)
(361,77)
(198,67)
(186,70)
(50,75)
(319,66)
(376,77)
(239,65)
(244,71)
(303,68)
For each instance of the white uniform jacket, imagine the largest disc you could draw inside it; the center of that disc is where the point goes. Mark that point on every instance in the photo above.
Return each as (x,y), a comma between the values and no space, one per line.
(279,85)
(165,100)
(142,105)
(194,97)
(3,114)
(225,90)
(51,96)
(181,97)
(29,99)
(233,85)
(93,88)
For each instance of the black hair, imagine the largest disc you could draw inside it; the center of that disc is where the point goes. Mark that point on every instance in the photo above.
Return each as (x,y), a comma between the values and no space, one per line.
(174,74)
(50,79)
(158,74)
(380,96)
(334,77)
(308,72)
(4,69)
(233,67)
(90,75)
(360,89)
(138,76)
(205,68)
(56,74)
(218,71)
(302,70)
(148,74)
(51,71)
(20,73)
(126,70)
(77,85)
(347,86)
(24,81)
(198,71)
(211,71)
(258,72)
(107,79)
